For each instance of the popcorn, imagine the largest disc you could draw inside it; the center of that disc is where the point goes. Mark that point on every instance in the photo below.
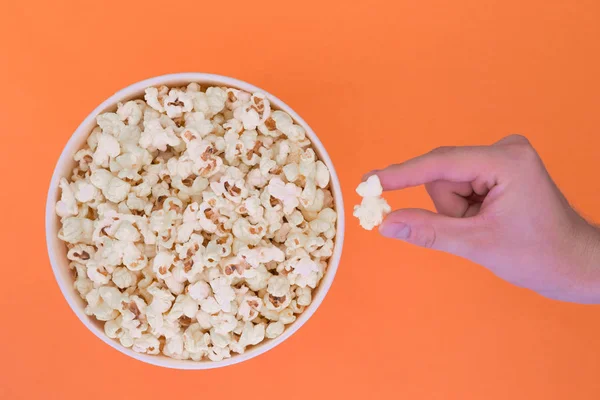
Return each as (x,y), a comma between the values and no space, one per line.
(132,310)
(325,250)
(306,165)
(127,232)
(370,188)
(231,188)
(76,230)
(176,281)
(223,323)
(92,140)
(113,188)
(123,278)
(199,290)
(330,234)
(217,353)
(97,273)
(147,343)
(198,221)
(251,334)
(261,255)
(126,340)
(218,339)
(84,192)
(156,137)
(248,233)
(372,208)
(202,152)
(177,102)
(309,206)
(269,313)
(291,172)
(249,307)
(161,299)
(101,178)
(309,194)
(133,258)
(224,294)
(130,112)
(111,296)
(314,243)
(108,147)
(110,123)
(128,164)
(325,220)
(249,117)
(162,264)
(112,328)
(274,329)
(117,190)
(196,342)
(210,306)
(258,279)
(296,308)
(82,284)
(249,147)
(283,149)
(67,205)
(174,347)
(212,255)
(84,158)
(152,99)
(304,266)
(184,306)
(303,296)
(278,286)
(287,316)
(251,207)
(215,99)
(81,253)
(304,271)
(275,303)
(288,193)
(285,124)
(322,175)
(98,307)
(295,240)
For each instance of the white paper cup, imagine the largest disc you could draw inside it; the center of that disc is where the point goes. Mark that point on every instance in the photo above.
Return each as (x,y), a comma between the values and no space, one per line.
(57,250)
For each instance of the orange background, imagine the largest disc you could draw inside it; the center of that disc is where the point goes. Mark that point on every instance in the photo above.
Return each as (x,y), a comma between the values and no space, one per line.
(379,81)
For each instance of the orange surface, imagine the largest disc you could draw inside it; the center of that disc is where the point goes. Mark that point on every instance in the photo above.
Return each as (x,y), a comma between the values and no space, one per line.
(379,81)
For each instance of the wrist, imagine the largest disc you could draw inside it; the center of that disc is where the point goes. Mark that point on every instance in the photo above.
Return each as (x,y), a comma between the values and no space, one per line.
(584,285)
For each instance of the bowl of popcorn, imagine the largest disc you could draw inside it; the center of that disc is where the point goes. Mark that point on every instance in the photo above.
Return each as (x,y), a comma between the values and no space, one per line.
(194,221)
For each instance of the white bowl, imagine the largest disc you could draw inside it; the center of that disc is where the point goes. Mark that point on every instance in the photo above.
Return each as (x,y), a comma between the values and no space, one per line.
(57,249)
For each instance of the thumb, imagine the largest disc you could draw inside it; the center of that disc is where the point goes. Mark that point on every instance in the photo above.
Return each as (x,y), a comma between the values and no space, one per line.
(427,229)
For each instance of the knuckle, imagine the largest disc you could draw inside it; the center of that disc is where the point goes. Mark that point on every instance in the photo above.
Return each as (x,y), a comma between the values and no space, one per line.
(522,152)
(526,151)
(425,237)
(518,139)
(442,150)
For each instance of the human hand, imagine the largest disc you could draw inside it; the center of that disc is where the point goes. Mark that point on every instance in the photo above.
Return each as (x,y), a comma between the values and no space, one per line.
(498,207)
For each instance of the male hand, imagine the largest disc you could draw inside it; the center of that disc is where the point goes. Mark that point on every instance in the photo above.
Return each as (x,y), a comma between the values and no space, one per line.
(498,207)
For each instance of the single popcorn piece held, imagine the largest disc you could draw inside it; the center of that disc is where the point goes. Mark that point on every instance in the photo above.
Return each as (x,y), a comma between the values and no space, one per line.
(197,222)
(373,207)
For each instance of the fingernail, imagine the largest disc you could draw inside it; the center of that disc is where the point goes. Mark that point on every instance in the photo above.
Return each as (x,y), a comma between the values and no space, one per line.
(368,174)
(395,230)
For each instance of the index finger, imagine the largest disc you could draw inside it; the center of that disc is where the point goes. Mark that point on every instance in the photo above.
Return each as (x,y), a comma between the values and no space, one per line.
(454,164)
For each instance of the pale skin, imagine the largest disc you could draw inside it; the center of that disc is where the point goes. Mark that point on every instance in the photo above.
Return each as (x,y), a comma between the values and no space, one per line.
(498,206)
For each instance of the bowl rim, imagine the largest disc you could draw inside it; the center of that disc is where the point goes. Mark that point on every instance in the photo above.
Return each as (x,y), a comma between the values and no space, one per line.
(52,222)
